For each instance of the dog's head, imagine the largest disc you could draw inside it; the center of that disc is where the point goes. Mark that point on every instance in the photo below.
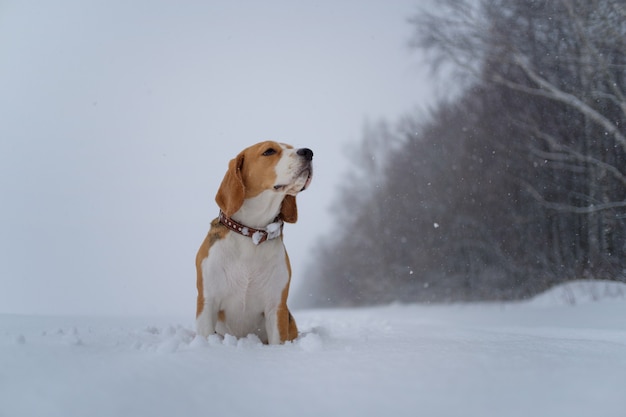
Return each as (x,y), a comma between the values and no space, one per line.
(269,167)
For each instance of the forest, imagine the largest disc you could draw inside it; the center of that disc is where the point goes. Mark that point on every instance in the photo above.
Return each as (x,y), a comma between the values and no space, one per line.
(514,184)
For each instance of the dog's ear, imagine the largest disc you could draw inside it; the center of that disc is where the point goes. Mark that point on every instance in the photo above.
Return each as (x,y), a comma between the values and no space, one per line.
(232,192)
(289,209)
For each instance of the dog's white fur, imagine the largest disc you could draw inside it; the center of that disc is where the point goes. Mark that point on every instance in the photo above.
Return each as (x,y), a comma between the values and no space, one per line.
(243,286)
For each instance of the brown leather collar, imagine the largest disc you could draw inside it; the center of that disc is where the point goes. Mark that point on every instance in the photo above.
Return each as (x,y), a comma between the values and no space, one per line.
(271,231)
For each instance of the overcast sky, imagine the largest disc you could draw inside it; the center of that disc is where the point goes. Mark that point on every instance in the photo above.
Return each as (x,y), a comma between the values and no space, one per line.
(118,119)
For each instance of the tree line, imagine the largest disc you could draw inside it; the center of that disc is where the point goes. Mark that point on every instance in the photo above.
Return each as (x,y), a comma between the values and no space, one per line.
(516,184)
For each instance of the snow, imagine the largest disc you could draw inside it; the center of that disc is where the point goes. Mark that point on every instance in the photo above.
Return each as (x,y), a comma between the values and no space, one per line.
(582,292)
(544,357)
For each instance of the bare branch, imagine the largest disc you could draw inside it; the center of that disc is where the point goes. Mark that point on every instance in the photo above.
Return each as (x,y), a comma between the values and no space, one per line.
(575,155)
(598,58)
(549,90)
(592,208)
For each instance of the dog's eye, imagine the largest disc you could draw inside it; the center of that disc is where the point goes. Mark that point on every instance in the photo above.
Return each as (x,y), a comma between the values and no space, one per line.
(270,151)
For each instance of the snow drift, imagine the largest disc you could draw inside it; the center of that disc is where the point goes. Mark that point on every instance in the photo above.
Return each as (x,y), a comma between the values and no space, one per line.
(582,292)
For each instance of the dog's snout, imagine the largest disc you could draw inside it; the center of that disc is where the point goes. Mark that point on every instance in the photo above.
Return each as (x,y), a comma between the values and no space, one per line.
(306,153)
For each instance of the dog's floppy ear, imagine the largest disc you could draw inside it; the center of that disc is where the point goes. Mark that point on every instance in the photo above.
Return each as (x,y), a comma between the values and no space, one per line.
(231,193)
(289,209)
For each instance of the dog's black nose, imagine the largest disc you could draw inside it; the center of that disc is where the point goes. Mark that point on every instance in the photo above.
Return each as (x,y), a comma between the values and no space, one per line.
(306,153)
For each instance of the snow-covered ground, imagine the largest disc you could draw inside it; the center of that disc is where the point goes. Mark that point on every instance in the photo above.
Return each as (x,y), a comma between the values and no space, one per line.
(553,356)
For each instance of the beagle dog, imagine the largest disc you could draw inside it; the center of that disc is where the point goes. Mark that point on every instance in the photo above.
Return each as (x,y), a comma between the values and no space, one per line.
(243,270)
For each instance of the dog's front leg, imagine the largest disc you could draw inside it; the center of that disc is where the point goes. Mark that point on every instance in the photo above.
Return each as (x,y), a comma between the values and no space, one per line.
(207,319)
(271,326)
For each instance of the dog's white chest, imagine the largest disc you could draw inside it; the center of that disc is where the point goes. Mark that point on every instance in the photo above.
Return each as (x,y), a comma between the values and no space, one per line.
(245,280)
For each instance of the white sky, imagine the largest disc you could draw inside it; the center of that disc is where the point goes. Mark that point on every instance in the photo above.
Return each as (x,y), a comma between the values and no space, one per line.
(118,119)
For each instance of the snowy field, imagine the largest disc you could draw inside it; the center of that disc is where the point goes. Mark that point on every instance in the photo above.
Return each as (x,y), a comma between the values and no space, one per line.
(561,354)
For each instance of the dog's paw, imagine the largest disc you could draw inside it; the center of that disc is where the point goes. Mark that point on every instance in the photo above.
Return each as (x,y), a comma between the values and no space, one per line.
(204,327)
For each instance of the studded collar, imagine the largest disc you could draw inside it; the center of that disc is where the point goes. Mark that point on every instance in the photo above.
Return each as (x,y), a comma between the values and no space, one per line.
(271,231)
